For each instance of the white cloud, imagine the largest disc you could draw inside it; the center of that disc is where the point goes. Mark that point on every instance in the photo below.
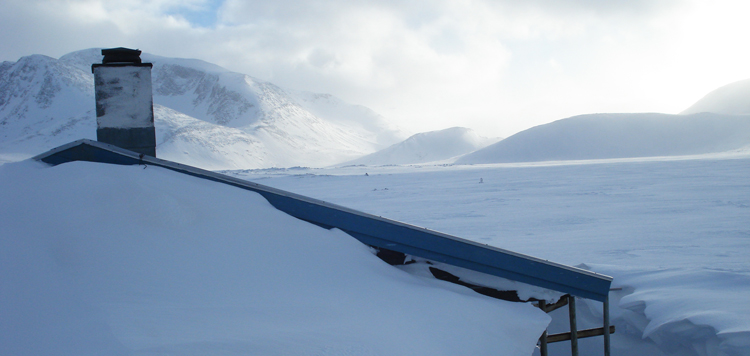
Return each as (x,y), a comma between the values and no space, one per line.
(499,66)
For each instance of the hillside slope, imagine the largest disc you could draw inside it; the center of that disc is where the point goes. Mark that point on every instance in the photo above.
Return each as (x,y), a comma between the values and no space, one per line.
(428,147)
(602,136)
(44,103)
(731,99)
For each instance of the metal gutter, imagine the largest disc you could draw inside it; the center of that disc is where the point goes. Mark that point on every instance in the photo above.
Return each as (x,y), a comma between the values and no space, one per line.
(371,229)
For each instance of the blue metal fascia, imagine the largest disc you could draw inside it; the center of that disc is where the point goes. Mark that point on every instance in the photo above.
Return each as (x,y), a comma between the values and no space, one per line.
(90,151)
(370,229)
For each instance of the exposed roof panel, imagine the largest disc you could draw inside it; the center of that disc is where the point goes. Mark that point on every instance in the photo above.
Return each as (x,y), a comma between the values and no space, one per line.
(370,229)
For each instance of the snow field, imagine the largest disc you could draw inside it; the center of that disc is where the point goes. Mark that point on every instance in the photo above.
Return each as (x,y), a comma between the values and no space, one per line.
(672,233)
(126,260)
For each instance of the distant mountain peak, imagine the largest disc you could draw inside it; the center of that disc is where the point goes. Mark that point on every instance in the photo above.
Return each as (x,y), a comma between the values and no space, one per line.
(731,99)
(37,85)
(430,146)
(606,136)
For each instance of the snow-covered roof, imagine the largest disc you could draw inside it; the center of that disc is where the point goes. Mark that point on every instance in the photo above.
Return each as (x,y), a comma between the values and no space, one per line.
(370,229)
(106,259)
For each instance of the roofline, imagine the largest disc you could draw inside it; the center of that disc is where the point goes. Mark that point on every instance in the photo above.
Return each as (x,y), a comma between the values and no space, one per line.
(370,229)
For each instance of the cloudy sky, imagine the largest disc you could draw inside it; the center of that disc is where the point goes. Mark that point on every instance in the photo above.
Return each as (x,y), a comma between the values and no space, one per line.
(498,66)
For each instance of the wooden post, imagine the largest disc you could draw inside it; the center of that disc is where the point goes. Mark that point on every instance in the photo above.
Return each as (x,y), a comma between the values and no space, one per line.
(543,340)
(606,326)
(573,327)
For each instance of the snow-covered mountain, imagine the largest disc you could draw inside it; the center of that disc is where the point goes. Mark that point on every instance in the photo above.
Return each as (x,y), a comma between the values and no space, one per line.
(44,102)
(732,99)
(428,147)
(205,115)
(602,136)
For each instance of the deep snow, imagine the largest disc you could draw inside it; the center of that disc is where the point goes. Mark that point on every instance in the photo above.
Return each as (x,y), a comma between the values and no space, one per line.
(673,232)
(100,259)
(174,278)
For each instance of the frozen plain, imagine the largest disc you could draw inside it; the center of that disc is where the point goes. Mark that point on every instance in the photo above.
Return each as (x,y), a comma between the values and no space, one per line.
(673,232)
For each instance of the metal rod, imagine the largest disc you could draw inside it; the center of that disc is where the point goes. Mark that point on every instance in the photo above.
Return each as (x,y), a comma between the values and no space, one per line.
(606,327)
(560,303)
(573,327)
(543,339)
(581,334)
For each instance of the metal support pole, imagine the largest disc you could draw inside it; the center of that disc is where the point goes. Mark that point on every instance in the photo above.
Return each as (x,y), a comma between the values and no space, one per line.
(543,340)
(606,327)
(573,327)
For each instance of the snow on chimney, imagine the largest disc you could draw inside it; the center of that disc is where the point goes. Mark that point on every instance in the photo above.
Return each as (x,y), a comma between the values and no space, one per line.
(124,102)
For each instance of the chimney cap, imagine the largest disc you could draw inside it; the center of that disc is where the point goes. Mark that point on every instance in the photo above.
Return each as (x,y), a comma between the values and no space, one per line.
(121,55)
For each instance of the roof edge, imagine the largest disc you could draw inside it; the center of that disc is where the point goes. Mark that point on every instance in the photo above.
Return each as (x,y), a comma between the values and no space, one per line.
(370,229)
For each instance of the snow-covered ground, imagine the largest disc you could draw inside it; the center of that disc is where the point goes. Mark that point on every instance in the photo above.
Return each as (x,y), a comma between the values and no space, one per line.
(169,264)
(166,264)
(673,232)
(100,259)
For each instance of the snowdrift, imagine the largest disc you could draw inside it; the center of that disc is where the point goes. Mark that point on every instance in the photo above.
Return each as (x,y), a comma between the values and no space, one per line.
(700,310)
(604,136)
(428,147)
(133,260)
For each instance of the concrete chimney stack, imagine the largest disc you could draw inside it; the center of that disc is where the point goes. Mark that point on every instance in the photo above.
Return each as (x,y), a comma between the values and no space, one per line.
(124,101)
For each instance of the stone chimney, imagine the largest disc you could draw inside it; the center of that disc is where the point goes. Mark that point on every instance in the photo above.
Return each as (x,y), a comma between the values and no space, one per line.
(124,102)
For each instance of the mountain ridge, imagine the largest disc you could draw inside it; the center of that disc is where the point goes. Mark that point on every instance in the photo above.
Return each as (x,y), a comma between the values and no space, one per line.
(730,99)
(605,136)
(275,129)
(426,147)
